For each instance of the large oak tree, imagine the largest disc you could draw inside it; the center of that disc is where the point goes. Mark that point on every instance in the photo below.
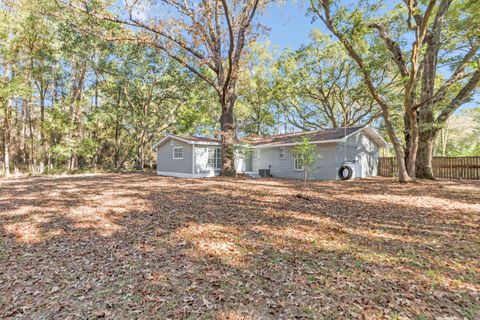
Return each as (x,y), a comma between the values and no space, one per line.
(411,34)
(207,37)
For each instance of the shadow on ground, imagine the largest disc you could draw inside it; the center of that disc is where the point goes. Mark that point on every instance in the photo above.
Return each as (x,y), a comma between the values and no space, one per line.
(142,246)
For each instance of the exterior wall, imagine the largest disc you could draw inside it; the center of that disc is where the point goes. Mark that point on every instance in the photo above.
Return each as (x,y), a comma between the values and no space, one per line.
(165,161)
(201,162)
(361,150)
(325,167)
(243,160)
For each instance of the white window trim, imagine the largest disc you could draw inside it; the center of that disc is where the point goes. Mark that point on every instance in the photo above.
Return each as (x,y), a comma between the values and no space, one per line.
(282,153)
(295,158)
(256,154)
(177,158)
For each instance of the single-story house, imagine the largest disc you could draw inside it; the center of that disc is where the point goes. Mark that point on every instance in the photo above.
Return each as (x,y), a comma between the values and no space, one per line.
(197,157)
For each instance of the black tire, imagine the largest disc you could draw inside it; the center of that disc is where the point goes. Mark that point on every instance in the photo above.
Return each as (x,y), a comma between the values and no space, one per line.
(345,173)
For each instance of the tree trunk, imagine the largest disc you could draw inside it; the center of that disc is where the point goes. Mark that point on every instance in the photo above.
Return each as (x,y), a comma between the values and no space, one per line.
(413,148)
(424,168)
(31,135)
(116,157)
(43,150)
(228,135)
(73,163)
(403,175)
(140,155)
(6,157)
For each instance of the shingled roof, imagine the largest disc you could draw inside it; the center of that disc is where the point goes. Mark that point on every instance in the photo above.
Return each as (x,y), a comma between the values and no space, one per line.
(289,138)
(317,136)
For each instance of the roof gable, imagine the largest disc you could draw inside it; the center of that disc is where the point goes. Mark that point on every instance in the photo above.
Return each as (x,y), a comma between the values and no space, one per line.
(189,140)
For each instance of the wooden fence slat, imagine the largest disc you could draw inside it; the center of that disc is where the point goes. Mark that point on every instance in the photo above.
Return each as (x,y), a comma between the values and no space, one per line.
(443,167)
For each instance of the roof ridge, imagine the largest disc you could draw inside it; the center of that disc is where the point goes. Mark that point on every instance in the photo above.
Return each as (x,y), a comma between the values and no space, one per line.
(311,131)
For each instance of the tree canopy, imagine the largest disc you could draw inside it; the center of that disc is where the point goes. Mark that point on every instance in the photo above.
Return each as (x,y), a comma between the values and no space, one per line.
(88,85)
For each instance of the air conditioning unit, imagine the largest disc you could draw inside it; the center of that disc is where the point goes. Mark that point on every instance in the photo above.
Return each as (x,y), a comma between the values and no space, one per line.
(264,173)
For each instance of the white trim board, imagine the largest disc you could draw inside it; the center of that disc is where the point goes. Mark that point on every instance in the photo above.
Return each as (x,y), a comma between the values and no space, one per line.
(261,146)
(186,175)
(171,136)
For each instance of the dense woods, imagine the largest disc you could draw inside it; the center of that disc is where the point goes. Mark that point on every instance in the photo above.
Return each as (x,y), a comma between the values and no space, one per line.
(88,85)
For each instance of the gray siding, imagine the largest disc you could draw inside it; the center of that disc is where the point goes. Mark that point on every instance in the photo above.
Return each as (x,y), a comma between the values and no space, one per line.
(360,149)
(165,161)
(325,167)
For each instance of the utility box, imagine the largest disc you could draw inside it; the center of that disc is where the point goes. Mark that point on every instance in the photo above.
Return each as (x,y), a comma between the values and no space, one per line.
(264,173)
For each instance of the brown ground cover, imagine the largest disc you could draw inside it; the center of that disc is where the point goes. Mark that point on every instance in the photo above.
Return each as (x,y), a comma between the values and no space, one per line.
(134,246)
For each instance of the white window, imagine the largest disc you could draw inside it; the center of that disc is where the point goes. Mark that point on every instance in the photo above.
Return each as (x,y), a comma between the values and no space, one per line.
(215,158)
(178,153)
(281,154)
(256,153)
(298,163)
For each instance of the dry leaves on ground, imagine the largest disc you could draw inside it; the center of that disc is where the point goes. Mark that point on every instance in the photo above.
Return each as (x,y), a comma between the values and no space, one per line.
(141,246)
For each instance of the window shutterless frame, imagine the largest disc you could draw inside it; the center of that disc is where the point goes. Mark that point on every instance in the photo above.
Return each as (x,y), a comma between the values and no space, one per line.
(178,153)
(298,163)
(281,153)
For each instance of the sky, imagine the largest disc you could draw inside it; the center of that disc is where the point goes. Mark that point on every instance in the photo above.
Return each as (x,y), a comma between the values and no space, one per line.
(290,28)
(289,25)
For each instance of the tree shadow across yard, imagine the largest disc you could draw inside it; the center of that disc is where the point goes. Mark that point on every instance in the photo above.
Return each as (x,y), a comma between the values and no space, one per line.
(141,246)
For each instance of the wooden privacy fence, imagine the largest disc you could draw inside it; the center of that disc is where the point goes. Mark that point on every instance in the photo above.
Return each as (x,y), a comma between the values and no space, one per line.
(443,167)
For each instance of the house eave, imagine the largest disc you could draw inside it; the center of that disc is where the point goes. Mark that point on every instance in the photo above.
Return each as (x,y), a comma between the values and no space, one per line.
(171,136)
(271,145)
(372,133)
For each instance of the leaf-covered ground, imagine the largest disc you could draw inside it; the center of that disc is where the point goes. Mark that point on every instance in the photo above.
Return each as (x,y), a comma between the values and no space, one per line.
(138,246)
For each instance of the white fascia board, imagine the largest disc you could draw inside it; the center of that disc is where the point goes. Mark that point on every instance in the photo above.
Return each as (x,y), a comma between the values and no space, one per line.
(160,142)
(171,136)
(211,173)
(206,143)
(373,133)
(294,144)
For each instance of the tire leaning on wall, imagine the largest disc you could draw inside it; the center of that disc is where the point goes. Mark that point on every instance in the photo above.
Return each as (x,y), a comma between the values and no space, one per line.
(345,172)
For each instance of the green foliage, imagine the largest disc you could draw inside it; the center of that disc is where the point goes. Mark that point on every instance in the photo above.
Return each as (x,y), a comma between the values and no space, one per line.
(319,86)
(255,110)
(306,152)
(82,102)
(461,135)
